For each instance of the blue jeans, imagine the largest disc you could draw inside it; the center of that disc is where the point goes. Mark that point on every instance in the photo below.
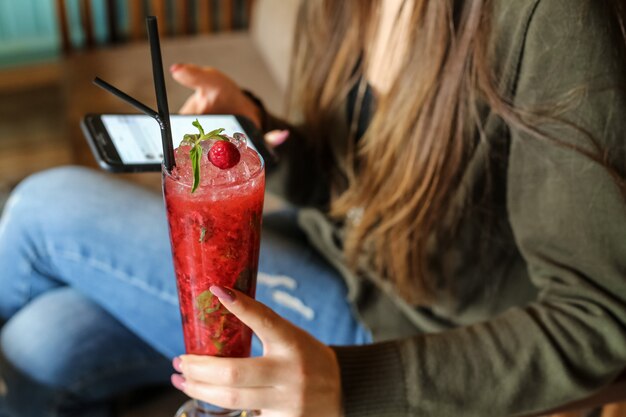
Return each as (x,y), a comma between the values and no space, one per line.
(88,296)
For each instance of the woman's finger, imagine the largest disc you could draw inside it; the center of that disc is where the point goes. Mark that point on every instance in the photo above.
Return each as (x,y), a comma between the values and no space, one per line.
(227,397)
(264,322)
(190,106)
(191,76)
(231,372)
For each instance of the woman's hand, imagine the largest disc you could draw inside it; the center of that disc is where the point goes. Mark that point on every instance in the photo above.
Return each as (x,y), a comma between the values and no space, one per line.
(297,376)
(214,92)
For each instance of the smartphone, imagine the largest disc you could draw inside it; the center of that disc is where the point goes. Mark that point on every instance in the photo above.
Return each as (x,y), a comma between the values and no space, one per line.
(132,142)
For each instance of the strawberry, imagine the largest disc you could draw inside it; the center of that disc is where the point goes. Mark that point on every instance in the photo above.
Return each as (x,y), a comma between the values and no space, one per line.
(224,154)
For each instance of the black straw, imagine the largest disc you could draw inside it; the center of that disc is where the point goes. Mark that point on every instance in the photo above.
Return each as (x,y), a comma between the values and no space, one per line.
(122,95)
(161,93)
(163,115)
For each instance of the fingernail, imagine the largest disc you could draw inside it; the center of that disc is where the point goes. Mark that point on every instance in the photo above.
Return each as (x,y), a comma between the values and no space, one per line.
(276,137)
(223,293)
(176,364)
(175,67)
(178,381)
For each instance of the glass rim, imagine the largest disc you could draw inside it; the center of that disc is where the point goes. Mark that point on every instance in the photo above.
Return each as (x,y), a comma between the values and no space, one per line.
(252,177)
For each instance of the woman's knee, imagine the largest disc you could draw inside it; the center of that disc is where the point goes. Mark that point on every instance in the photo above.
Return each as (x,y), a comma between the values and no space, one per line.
(69,200)
(45,192)
(65,341)
(44,340)
(38,205)
(38,369)
(51,182)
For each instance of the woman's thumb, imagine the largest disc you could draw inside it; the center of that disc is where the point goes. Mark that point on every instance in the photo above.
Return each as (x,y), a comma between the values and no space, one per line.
(190,75)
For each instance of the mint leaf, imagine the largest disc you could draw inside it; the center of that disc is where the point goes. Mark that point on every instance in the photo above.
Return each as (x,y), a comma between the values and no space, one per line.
(197,124)
(208,311)
(213,133)
(196,155)
(204,304)
(202,234)
(204,300)
(218,345)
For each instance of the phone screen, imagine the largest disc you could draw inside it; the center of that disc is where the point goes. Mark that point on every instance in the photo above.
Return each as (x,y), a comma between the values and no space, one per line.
(137,138)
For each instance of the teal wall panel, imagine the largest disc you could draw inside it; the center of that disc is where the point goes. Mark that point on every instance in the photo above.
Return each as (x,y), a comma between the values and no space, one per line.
(29,30)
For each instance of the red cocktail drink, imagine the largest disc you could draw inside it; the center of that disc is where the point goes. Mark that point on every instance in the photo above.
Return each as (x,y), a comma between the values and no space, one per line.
(215,237)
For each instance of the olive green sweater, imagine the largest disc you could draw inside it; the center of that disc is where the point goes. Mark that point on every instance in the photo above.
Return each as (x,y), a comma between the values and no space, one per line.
(537,317)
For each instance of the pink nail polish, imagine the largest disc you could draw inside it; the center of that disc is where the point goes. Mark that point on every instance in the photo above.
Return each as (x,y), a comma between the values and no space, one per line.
(277,137)
(282,136)
(224,294)
(178,381)
(176,364)
(175,67)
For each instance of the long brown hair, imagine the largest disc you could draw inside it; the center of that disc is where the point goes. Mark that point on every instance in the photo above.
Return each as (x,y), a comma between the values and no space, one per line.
(406,168)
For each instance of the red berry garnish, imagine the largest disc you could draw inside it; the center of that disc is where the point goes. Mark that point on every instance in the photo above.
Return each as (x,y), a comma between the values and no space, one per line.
(224,154)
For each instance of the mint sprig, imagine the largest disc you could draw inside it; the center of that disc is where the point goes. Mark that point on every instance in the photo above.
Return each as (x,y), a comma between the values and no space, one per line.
(197,124)
(206,305)
(195,153)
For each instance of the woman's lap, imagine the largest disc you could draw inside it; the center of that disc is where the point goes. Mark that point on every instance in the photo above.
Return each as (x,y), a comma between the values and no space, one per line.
(108,242)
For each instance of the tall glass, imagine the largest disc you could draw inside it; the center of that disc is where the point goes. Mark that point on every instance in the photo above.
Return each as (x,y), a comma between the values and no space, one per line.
(215,236)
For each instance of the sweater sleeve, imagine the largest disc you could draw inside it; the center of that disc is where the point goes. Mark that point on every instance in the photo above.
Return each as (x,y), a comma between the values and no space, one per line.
(302,168)
(569,222)
(271,122)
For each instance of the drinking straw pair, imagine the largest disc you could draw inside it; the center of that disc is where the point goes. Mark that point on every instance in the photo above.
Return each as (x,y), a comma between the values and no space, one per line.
(162,117)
